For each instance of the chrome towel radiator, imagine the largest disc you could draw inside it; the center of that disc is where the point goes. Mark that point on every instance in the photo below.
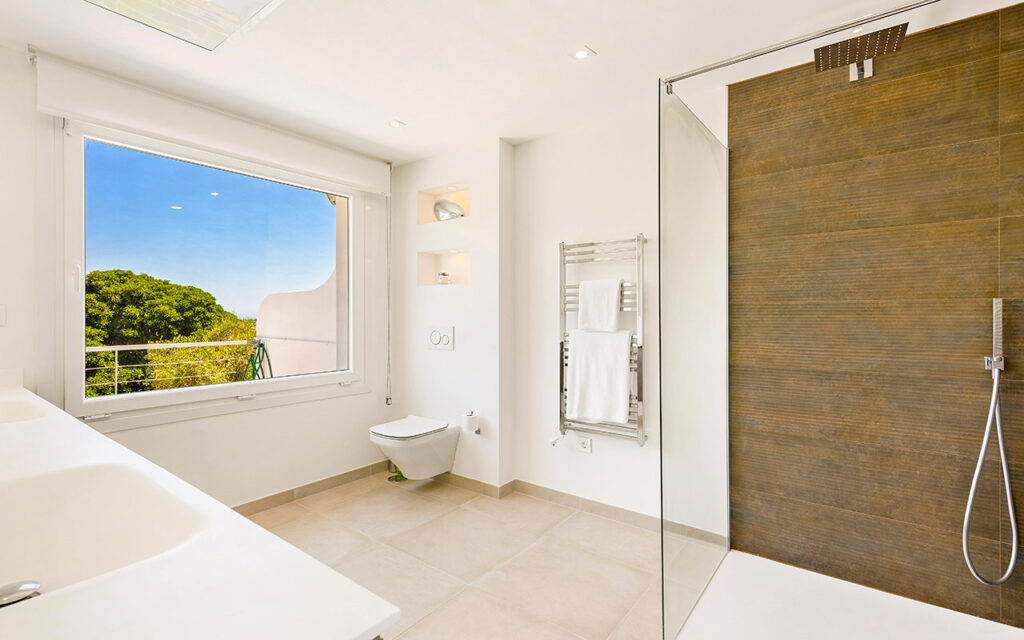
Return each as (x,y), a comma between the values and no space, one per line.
(632,301)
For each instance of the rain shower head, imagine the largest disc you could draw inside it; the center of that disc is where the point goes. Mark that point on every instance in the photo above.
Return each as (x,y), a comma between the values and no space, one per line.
(857,50)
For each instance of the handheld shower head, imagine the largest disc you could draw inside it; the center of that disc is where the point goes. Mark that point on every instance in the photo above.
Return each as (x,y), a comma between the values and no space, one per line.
(997,328)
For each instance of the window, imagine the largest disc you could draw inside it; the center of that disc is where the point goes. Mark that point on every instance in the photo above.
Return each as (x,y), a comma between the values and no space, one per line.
(200,277)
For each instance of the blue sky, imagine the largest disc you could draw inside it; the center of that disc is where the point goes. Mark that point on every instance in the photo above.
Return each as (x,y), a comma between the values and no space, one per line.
(256,237)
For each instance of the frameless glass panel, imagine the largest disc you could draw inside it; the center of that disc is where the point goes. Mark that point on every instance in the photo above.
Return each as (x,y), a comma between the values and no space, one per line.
(196,275)
(871,223)
(694,357)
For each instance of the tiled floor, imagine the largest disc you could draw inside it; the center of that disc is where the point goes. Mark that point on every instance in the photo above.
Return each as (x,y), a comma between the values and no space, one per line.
(465,566)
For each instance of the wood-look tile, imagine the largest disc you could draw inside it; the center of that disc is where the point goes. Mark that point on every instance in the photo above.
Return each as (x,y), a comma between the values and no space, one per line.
(922,52)
(920,186)
(921,488)
(886,408)
(929,338)
(1011,28)
(1011,92)
(1011,175)
(1011,400)
(1011,257)
(1012,592)
(1013,337)
(916,562)
(944,106)
(938,261)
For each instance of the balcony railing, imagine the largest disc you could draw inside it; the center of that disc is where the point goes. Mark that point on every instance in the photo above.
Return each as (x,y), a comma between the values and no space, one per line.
(258,367)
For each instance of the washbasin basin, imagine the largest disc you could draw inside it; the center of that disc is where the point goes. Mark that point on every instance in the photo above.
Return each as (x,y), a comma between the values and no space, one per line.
(66,526)
(19,410)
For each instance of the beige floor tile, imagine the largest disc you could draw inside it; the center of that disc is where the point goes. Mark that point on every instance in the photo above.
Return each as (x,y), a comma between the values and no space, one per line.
(521,510)
(643,622)
(475,616)
(632,545)
(321,537)
(326,500)
(443,491)
(679,602)
(385,511)
(694,564)
(408,583)
(464,543)
(277,516)
(574,589)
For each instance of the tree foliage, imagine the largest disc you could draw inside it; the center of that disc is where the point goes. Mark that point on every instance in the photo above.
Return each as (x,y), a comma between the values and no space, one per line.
(122,307)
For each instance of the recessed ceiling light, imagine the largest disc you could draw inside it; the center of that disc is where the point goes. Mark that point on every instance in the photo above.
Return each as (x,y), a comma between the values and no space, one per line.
(214,193)
(176,207)
(453,188)
(204,23)
(396,124)
(583,53)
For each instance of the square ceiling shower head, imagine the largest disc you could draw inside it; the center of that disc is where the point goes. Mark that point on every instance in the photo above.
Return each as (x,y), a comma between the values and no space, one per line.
(857,50)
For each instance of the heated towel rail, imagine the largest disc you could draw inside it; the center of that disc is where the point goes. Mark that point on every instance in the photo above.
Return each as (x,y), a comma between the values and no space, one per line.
(632,301)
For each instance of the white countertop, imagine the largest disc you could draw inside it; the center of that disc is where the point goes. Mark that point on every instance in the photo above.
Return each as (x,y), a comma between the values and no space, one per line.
(132,551)
(751,597)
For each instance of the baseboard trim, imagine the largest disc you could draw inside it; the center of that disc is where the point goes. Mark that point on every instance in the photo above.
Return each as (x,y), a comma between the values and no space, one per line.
(477,486)
(625,516)
(278,499)
(698,534)
(618,514)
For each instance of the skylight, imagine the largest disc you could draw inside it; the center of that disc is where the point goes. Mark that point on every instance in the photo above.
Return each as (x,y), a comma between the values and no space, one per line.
(204,23)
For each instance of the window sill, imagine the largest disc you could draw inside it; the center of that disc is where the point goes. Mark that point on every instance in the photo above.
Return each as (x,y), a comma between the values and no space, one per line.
(155,416)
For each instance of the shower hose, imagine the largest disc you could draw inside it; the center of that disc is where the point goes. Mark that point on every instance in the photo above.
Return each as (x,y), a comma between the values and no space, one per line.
(994,416)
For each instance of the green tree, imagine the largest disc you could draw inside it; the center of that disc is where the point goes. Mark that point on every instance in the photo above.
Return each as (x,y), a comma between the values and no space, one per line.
(122,307)
(190,366)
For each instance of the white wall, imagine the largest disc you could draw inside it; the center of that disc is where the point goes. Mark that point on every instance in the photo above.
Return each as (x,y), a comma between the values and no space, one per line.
(447,384)
(17,203)
(240,457)
(695,312)
(236,457)
(597,183)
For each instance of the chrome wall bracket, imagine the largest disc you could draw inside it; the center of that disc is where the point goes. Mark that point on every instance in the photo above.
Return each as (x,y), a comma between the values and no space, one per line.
(861,70)
(994,363)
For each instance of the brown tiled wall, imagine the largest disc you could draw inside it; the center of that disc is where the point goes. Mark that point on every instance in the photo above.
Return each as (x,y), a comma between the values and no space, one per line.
(871,224)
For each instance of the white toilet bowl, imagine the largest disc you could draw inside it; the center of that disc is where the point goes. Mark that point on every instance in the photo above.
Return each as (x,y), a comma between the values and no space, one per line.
(420,447)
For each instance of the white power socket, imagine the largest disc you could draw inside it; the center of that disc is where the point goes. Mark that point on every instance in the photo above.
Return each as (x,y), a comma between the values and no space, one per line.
(584,445)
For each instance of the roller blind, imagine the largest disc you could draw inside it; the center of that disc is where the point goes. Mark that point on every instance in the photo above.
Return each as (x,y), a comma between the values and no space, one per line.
(77,93)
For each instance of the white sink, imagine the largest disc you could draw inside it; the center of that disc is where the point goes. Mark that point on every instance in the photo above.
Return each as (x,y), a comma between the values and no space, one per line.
(80,522)
(19,410)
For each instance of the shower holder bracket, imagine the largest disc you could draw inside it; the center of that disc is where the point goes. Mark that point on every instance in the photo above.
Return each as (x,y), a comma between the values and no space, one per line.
(861,70)
(994,363)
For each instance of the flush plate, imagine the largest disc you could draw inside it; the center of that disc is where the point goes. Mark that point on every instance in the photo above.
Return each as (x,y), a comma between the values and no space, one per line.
(441,337)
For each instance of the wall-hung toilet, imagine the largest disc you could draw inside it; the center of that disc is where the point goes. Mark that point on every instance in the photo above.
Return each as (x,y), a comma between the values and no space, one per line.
(420,447)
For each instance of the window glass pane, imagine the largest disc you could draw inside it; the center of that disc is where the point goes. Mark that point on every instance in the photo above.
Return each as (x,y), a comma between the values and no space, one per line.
(196,275)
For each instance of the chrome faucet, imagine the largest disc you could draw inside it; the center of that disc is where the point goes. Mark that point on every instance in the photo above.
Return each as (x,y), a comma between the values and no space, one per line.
(18,591)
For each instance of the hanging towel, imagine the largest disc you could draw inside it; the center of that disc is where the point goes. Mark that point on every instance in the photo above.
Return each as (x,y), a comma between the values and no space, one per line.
(599,305)
(598,377)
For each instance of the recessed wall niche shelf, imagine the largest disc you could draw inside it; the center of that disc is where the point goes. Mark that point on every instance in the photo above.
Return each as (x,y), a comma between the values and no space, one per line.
(425,200)
(431,264)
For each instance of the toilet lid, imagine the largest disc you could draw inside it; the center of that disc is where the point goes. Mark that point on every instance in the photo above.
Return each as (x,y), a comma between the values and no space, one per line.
(408,427)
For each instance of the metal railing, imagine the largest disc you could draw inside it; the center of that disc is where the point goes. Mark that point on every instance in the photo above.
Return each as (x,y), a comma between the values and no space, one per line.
(117,367)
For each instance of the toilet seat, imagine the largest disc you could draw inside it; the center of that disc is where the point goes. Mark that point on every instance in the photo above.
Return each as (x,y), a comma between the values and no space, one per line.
(408,428)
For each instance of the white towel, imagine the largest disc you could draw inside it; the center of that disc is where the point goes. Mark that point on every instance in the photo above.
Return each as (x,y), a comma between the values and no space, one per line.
(598,377)
(599,305)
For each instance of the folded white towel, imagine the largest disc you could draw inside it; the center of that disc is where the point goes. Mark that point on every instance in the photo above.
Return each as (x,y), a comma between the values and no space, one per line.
(599,305)
(598,377)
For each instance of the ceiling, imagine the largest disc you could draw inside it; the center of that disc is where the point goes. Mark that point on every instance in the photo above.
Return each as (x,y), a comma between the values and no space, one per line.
(454,70)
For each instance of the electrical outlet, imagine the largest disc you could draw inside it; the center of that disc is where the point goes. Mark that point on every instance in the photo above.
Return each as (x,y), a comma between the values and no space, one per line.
(584,445)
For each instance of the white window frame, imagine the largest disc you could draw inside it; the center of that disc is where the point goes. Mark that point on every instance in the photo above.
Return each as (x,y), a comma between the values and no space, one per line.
(128,411)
